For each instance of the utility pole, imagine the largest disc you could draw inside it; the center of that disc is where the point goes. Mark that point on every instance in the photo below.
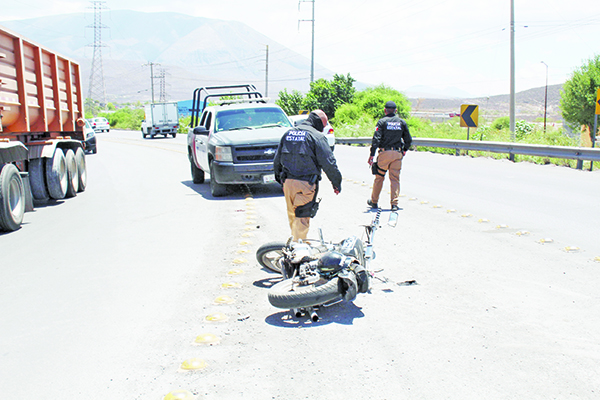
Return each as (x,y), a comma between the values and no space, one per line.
(97,90)
(312,54)
(512,74)
(151,64)
(267,74)
(545,96)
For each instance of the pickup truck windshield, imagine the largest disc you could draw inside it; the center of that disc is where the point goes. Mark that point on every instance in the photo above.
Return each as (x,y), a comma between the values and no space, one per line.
(250,118)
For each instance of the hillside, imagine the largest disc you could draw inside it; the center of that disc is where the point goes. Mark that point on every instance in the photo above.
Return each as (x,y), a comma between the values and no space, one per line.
(529,104)
(194,52)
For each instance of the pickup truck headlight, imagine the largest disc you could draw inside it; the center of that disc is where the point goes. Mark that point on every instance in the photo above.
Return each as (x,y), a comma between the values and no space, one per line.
(223,153)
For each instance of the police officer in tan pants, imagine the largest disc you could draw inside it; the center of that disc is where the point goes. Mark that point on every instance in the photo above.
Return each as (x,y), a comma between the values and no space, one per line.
(391,139)
(302,153)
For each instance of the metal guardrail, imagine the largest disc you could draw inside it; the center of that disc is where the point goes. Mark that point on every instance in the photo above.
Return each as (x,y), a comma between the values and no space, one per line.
(572,153)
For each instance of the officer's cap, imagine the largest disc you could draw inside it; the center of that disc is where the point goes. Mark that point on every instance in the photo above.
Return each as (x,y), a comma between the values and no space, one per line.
(391,105)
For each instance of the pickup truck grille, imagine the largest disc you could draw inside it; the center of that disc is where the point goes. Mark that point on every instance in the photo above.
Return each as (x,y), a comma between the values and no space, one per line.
(259,153)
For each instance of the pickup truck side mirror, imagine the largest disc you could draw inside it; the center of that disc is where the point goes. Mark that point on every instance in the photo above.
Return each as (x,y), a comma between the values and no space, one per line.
(200,130)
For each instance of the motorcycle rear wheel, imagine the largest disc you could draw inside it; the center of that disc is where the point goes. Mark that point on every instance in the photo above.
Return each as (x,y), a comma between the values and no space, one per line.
(269,254)
(288,294)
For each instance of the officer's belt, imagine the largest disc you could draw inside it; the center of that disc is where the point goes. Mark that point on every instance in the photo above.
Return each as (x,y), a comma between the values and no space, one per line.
(389,148)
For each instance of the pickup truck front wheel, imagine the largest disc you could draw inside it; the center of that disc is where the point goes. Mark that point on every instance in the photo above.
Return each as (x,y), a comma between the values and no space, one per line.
(216,189)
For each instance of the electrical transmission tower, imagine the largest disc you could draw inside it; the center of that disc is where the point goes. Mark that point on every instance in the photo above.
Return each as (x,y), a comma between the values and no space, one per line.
(162,94)
(97,90)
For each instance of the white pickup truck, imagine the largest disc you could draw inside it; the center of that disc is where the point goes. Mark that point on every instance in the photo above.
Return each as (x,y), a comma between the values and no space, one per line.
(235,141)
(161,119)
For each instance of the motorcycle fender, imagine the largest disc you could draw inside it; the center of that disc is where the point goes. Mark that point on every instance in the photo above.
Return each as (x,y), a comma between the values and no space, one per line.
(347,285)
(362,278)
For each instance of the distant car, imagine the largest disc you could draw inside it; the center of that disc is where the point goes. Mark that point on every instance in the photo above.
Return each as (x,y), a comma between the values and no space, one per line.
(328,131)
(90,138)
(100,124)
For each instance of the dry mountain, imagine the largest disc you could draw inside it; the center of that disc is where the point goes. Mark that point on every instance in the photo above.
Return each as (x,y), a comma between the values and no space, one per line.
(197,52)
(193,51)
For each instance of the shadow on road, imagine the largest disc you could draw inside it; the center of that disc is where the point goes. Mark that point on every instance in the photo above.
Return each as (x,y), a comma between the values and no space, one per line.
(341,313)
(236,192)
(268,282)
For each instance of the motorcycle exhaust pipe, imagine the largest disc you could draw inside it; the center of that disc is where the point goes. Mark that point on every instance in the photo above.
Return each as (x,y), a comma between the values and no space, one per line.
(297,312)
(313,315)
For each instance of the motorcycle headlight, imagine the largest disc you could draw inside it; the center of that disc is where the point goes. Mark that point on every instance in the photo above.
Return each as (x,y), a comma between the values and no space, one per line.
(223,153)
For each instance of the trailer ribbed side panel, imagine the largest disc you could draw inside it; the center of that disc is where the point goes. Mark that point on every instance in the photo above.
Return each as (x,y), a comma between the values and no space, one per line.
(40,91)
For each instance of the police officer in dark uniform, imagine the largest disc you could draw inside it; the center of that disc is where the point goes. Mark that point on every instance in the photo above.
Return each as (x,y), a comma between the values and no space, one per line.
(392,139)
(302,153)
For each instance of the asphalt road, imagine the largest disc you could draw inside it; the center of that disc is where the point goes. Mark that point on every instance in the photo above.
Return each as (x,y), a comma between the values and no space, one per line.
(104,294)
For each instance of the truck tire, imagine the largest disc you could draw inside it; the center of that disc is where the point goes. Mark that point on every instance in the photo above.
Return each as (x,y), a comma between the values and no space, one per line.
(72,174)
(12,198)
(197,173)
(81,169)
(216,189)
(174,134)
(56,175)
(36,179)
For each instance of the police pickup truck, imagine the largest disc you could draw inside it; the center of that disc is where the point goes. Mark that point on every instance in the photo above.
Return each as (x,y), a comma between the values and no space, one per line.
(233,137)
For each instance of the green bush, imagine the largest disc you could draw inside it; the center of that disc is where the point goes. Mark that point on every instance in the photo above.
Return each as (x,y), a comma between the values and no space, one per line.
(501,123)
(363,127)
(347,114)
(372,101)
(124,118)
(184,124)
(523,129)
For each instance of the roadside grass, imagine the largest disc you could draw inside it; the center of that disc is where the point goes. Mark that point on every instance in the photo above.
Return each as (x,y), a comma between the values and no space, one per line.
(524,133)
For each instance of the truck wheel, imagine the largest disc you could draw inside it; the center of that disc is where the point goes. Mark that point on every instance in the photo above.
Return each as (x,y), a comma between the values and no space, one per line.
(36,179)
(56,175)
(174,134)
(217,190)
(81,169)
(72,174)
(12,198)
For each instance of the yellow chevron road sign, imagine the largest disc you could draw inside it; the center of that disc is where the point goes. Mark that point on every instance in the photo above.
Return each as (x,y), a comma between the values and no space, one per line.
(469,115)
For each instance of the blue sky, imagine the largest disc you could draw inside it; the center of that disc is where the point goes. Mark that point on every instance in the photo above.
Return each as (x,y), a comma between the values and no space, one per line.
(439,44)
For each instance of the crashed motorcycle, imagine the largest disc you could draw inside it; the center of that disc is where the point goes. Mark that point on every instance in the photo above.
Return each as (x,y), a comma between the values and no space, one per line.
(319,273)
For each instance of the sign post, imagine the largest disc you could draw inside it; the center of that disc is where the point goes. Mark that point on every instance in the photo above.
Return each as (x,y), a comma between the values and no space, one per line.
(595,124)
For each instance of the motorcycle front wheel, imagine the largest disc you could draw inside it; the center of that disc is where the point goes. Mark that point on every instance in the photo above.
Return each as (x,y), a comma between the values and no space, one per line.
(269,254)
(289,294)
